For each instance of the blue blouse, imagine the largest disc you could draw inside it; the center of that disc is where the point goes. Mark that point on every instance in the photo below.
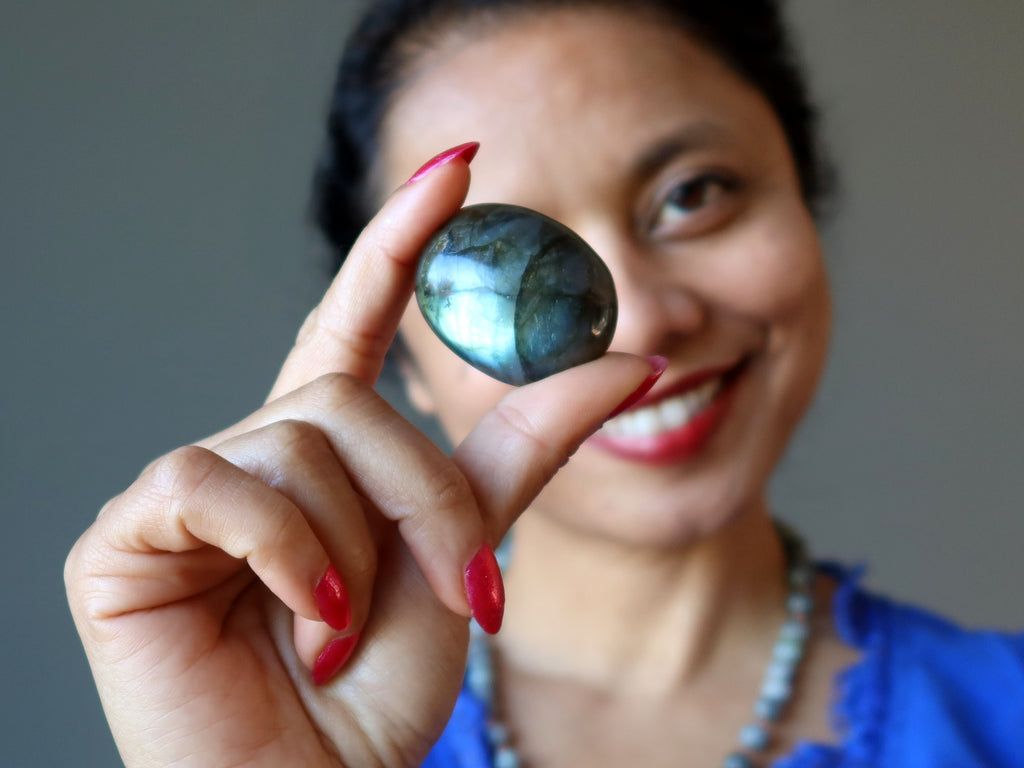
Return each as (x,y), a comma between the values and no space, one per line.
(924,694)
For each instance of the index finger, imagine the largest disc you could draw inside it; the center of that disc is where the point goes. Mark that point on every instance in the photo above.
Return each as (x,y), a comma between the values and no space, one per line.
(356,321)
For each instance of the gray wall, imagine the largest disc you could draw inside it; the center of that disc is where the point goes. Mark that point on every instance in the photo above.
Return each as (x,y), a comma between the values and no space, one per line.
(154,164)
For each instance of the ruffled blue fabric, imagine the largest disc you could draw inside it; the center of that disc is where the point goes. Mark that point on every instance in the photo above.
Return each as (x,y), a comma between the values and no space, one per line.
(860,707)
(925,693)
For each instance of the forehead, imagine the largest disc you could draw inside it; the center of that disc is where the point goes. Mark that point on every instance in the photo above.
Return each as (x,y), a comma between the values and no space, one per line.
(592,84)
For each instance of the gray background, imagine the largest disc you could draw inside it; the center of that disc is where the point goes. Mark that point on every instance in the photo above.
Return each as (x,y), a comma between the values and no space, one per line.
(157,261)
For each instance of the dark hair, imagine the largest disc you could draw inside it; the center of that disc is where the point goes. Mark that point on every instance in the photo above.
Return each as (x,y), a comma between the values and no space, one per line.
(749,35)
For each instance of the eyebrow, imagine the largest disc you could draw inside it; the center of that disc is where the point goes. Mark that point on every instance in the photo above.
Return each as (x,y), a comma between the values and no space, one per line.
(692,137)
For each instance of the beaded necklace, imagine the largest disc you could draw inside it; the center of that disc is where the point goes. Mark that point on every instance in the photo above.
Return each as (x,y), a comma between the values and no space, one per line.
(776,687)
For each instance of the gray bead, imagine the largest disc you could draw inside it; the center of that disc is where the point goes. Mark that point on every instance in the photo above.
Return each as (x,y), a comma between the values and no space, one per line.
(788,651)
(497,734)
(780,670)
(754,737)
(800,603)
(801,576)
(737,760)
(515,294)
(506,758)
(794,630)
(776,690)
(480,680)
(768,709)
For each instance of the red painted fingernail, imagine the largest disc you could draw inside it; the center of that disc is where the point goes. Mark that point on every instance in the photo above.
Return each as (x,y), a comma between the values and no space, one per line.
(485,590)
(658,366)
(332,601)
(333,657)
(466,151)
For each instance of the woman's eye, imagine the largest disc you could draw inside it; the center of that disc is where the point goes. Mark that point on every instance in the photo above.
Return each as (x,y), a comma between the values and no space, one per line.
(690,198)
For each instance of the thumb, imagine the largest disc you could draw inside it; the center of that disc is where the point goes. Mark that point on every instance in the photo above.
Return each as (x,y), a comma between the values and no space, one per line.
(519,445)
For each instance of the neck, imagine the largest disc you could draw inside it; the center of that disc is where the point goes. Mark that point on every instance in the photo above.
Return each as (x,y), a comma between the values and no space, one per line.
(617,617)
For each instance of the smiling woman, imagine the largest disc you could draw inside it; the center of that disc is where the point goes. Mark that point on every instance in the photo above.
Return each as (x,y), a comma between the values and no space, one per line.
(731,290)
(296,588)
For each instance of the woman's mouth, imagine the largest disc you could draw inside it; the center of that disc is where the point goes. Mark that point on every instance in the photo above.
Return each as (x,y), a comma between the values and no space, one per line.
(672,425)
(668,414)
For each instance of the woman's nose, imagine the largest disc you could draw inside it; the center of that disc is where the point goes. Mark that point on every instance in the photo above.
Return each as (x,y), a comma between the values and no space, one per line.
(655,310)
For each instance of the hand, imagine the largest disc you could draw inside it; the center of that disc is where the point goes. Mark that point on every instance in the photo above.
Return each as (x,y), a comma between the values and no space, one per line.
(200,592)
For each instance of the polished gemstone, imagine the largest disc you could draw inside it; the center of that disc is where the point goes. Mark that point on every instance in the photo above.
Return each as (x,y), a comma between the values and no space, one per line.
(516,294)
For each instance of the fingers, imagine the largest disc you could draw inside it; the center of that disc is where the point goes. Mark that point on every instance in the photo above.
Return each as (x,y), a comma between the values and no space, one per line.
(327,457)
(212,516)
(355,323)
(445,510)
(397,470)
(518,446)
(296,459)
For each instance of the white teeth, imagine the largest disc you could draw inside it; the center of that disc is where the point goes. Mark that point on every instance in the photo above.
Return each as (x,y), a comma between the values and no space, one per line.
(664,416)
(646,420)
(674,412)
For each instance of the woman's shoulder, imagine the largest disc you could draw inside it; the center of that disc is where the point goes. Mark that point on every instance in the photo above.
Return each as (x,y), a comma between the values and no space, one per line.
(910,639)
(926,691)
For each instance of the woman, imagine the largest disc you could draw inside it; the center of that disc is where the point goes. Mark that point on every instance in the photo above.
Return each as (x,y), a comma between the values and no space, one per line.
(295,589)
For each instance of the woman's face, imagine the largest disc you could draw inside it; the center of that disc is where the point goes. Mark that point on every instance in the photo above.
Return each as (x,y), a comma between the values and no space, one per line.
(677,172)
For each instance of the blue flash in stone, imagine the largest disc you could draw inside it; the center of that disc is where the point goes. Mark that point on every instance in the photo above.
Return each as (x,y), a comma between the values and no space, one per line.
(515,294)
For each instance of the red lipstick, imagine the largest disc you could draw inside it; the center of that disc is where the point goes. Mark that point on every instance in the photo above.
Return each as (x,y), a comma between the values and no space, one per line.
(684,442)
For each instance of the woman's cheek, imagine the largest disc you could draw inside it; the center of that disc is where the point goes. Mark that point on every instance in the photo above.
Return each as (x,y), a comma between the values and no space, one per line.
(776,271)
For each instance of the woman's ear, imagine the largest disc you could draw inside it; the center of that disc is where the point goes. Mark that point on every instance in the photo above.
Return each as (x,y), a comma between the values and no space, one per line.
(416,389)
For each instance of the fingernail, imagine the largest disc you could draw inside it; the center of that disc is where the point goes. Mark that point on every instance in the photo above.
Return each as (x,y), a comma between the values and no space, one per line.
(332,600)
(485,590)
(466,151)
(333,657)
(658,366)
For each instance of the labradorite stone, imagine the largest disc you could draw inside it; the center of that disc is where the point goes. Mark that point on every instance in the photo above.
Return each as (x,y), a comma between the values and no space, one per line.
(515,293)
